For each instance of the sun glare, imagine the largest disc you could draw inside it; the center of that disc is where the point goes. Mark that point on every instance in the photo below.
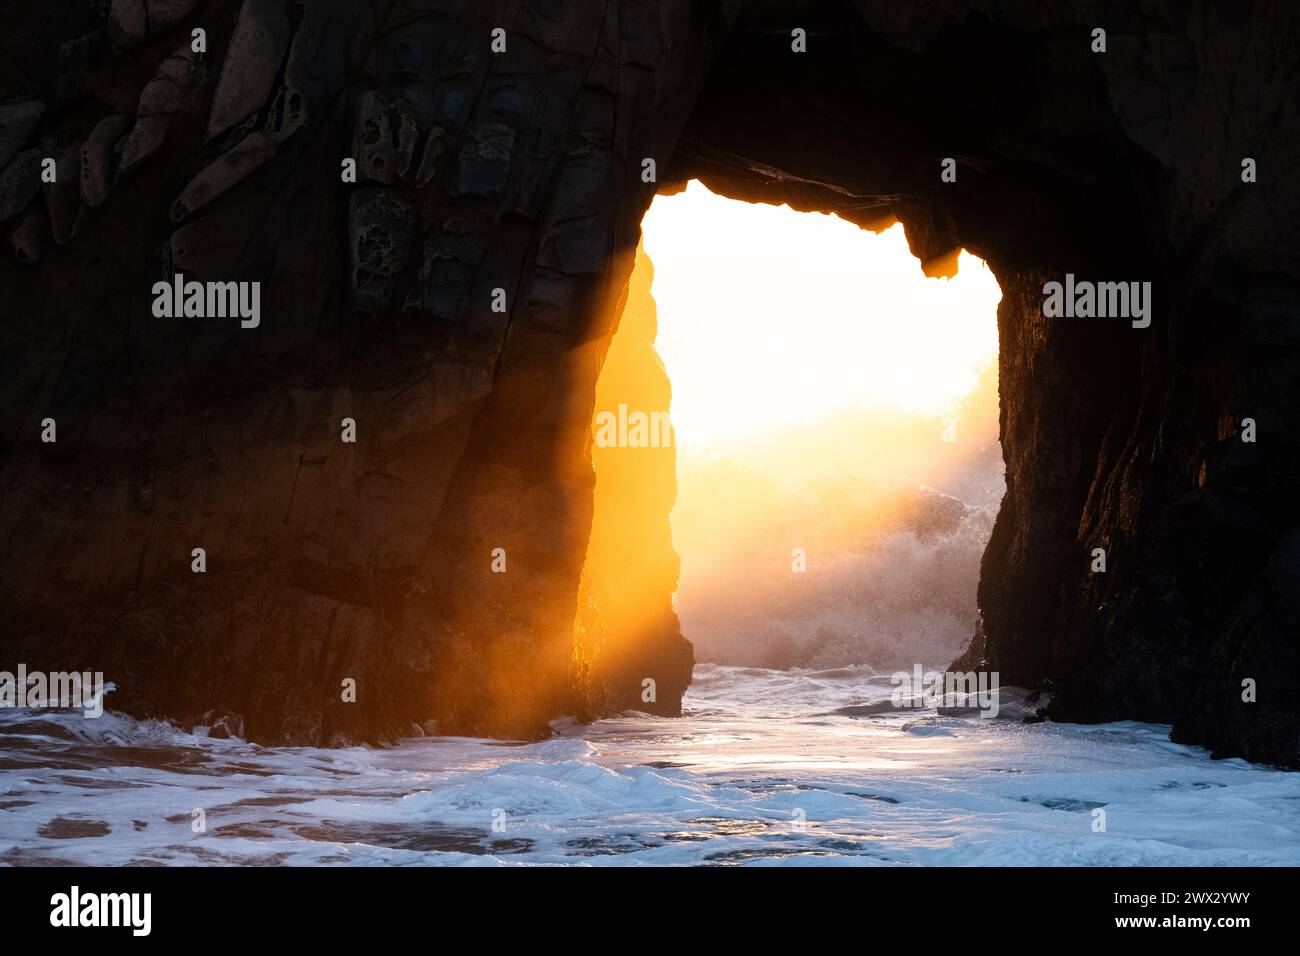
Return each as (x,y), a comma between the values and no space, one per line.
(832,410)
(771,318)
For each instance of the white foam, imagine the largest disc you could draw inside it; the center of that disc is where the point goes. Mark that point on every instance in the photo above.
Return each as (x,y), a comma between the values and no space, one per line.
(761,771)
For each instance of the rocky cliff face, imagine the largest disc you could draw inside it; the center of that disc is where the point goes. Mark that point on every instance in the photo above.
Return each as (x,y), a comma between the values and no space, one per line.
(455,302)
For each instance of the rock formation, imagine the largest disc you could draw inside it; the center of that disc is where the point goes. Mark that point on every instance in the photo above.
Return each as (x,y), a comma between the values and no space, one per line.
(455,302)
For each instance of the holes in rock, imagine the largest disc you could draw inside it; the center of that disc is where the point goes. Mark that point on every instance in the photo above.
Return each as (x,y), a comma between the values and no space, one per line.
(832,470)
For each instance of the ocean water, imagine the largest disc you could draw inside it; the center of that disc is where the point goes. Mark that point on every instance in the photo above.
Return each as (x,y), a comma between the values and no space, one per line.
(767,768)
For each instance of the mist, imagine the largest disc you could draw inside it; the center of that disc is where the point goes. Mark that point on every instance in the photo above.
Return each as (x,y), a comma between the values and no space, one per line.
(891,512)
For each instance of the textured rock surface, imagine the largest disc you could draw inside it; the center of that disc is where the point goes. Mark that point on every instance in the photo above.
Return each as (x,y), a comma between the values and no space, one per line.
(17,122)
(520,171)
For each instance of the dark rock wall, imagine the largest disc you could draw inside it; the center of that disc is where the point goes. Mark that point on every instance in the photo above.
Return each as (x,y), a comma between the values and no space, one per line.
(477,171)
(521,171)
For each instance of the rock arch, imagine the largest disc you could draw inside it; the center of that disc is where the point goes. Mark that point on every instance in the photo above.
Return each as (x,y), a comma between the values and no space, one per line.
(521,171)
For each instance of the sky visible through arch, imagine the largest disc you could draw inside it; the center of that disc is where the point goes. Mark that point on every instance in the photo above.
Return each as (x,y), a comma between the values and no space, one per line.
(770,318)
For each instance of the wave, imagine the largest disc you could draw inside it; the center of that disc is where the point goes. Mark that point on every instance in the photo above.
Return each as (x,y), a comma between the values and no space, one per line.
(767,767)
(887,601)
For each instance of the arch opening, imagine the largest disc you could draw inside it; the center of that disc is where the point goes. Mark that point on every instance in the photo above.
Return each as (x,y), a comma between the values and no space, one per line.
(832,471)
